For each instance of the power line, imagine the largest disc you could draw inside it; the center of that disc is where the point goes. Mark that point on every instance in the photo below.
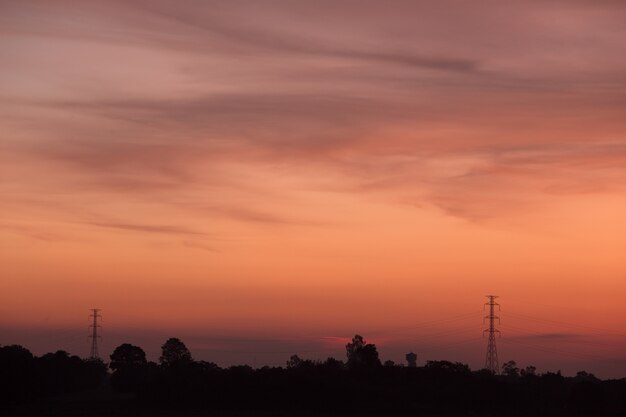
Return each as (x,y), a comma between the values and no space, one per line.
(561,323)
(578,339)
(430,323)
(546,349)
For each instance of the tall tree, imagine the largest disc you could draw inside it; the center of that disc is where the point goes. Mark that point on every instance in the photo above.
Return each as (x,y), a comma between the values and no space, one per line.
(130,367)
(361,354)
(510,369)
(127,356)
(174,352)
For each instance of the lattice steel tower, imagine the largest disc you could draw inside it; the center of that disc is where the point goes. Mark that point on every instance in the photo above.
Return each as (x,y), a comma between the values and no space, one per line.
(95,315)
(491,361)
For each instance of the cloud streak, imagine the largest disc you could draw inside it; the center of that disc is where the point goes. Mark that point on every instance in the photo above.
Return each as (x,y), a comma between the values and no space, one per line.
(161,229)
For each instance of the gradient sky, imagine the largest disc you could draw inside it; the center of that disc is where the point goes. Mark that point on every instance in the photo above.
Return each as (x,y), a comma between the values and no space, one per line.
(264,178)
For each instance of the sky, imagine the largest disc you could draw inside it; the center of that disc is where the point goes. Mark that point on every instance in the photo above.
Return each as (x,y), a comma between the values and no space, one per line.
(269,178)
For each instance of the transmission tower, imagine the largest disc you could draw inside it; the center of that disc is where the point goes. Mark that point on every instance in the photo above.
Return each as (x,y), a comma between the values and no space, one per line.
(491,361)
(95,316)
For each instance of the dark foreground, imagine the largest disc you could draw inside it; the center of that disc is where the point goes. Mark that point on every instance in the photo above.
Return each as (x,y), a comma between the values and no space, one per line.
(62,385)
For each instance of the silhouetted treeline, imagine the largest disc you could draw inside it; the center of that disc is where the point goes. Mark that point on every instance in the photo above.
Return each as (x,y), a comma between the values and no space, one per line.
(360,384)
(24,377)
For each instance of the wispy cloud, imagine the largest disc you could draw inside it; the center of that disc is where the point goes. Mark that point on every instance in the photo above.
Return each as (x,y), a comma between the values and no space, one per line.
(163,229)
(32,232)
(387,106)
(196,245)
(254,216)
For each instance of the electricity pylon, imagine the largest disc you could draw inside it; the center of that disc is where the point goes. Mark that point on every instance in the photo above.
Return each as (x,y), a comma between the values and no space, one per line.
(491,361)
(94,333)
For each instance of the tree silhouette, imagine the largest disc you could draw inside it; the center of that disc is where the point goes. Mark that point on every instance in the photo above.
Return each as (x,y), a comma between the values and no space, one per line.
(357,343)
(529,371)
(17,373)
(586,376)
(60,372)
(361,355)
(447,366)
(294,361)
(441,388)
(333,364)
(129,365)
(510,369)
(174,352)
(127,356)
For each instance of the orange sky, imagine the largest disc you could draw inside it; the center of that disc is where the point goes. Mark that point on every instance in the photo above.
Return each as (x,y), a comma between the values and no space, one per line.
(268,178)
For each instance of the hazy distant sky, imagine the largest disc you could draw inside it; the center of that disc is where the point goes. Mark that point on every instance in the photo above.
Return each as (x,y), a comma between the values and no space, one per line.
(263,178)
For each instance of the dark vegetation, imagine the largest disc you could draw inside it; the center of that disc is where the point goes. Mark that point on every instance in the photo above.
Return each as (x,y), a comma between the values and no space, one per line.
(360,385)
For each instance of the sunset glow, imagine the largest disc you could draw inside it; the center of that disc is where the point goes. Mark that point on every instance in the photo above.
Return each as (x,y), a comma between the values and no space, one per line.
(268,178)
